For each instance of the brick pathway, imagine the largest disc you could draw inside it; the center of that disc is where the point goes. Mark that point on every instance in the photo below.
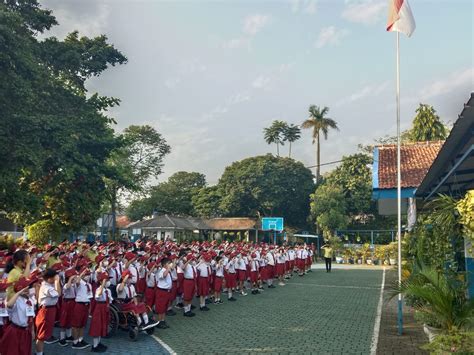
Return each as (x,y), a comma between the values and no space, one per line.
(319,313)
(389,341)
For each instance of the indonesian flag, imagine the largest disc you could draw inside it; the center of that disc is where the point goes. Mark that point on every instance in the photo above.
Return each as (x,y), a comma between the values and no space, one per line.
(400,18)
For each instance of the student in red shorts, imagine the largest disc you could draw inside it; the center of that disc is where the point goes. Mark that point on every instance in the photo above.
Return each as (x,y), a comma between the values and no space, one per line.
(67,307)
(48,296)
(100,314)
(84,294)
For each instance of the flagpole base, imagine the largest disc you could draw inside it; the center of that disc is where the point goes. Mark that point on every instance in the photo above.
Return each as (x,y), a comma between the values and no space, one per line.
(400,317)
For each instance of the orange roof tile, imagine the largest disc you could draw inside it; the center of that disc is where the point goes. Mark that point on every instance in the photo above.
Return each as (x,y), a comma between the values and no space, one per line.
(416,159)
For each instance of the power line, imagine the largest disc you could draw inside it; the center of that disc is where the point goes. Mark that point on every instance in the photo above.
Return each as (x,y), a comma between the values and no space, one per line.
(331,162)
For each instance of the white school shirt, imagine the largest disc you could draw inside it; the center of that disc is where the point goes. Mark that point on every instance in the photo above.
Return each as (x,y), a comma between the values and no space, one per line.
(17,313)
(299,254)
(83,292)
(263,262)
(292,254)
(106,295)
(174,274)
(270,259)
(203,269)
(280,258)
(219,270)
(164,282)
(254,265)
(189,272)
(305,254)
(114,275)
(133,268)
(127,292)
(240,264)
(48,296)
(3,306)
(69,292)
(150,279)
(230,267)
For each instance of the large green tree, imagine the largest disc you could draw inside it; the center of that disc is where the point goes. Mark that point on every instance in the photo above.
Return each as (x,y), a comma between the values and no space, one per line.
(320,125)
(267,186)
(137,159)
(328,208)
(206,202)
(427,125)
(54,136)
(173,196)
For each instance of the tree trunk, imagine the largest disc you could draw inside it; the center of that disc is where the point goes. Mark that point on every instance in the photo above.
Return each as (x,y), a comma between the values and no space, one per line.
(318,159)
(289,152)
(278,150)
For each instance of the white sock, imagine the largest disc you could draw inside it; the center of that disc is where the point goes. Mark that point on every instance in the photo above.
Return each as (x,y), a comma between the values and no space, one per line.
(80,339)
(95,341)
(188,308)
(145,318)
(62,335)
(39,353)
(203,304)
(69,332)
(230,294)
(139,320)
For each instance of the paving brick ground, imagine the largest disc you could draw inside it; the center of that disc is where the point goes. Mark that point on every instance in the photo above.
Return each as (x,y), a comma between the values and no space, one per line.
(319,313)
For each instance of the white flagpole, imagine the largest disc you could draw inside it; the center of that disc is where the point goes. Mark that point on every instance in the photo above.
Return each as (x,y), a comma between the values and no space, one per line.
(399,193)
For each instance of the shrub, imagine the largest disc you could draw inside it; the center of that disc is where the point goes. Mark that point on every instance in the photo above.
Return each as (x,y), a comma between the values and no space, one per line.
(43,232)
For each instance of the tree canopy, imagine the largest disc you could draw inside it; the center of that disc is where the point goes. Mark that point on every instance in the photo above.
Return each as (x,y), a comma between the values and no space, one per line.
(54,136)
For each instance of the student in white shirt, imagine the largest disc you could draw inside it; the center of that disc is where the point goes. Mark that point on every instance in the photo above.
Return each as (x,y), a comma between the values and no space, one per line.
(164,283)
(81,309)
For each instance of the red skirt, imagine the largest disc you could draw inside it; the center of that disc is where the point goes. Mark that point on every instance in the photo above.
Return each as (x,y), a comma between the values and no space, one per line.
(292,264)
(188,289)
(100,320)
(231,280)
(218,283)
(81,313)
(309,261)
(287,265)
(162,299)
(150,296)
(66,313)
(270,271)
(132,307)
(44,322)
(300,264)
(203,286)
(280,269)
(241,275)
(180,283)
(253,276)
(16,340)
(141,285)
(263,273)
(174,291)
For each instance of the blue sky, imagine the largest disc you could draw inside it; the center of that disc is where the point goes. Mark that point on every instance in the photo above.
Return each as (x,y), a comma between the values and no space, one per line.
(210,75)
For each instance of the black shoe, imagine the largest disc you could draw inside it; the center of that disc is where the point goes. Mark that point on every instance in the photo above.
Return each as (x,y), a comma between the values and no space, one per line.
(189,314)
(51,340)
(149,325)
(162,325)
(70,339)
(232,299)
(102,346)
(220,302)
(271,286)
(205,308)
(170,312)
(81,345)
(98,349)
(193,307)
(257,292)
(179,305)
(63,342)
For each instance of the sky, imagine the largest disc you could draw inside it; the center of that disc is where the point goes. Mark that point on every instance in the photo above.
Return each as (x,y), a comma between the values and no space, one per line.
(210,75)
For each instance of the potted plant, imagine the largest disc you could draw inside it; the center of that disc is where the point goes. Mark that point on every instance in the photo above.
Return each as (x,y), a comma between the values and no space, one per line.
(392,251)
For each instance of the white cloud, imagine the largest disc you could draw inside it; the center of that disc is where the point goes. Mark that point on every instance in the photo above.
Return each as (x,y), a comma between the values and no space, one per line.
(368,91)
(254,23)
(330,36)
(185,68)
(305,6)
(367,12)
(449,84)
(237,43)
(238,98)
(261,82)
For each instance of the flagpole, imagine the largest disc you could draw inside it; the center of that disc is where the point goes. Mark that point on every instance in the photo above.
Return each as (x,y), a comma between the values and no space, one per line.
(399,194)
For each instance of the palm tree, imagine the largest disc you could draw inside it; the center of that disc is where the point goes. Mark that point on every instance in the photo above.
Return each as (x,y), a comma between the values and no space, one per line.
(291,134)
(274,134)
(319,123)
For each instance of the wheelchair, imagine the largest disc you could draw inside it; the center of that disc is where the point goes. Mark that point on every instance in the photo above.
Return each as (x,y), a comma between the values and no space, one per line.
(126,321)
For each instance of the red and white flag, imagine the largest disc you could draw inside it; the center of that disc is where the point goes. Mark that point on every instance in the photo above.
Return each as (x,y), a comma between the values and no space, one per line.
(400,18)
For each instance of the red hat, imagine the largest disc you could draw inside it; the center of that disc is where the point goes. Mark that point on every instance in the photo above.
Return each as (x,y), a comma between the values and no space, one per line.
(4,284)
(253,255)
(130,256)
(57,266)
(99,258)
(207,257)
(125,273)
(102,276)
(151,266)
(173,256)
(86,269)
(190,257)
(70,272)
(22,283)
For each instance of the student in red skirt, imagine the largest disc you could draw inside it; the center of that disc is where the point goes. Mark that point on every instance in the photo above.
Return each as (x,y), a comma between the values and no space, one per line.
(48,296)
(180,273)
(100,314)
(189,284)
(84,294)
(241,269)
(67,307)
(204,273)
(17,337)
(150,284)
(254,266)
(280,266)
(231,276)
(218,279)
(164,283)
(3,307)
(174,287)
